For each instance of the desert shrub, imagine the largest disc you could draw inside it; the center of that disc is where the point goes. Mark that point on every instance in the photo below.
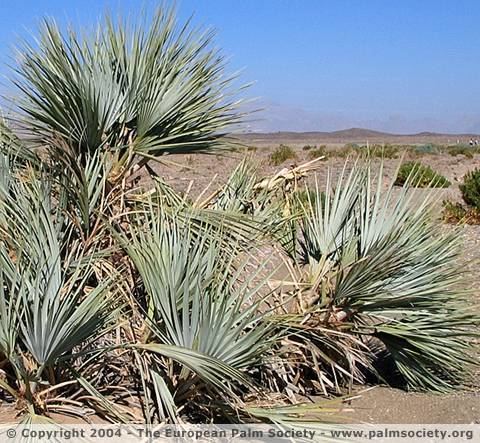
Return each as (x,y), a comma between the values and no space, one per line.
(465,150)
(469,212)
(309,147)
(420,176)
(470,188)
(321,151)
(344,151)
(352,146)
(372,151)
(456,213)
(426,149)
(281,155)
(385,151)
(377,150)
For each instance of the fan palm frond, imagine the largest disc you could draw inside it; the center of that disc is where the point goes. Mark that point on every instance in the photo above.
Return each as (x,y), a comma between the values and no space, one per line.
(127,90)
(377,266)
(201,310)
(49,308)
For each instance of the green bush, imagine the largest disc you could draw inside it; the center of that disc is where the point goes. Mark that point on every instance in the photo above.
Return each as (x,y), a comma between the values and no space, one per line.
(385,151)
(428,148)
(321,151)
(470,188)
(351,146)
(376,150)
(461,150)
(282,154)
(420,176)
(344,151)
(456,213)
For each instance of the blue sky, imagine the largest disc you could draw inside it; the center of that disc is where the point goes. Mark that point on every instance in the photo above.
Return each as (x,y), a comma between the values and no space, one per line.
(400,66)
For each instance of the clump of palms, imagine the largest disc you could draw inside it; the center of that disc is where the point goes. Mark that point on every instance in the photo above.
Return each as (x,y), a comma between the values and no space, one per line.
(148,305)
(370,264)
(204,328)
(55,298)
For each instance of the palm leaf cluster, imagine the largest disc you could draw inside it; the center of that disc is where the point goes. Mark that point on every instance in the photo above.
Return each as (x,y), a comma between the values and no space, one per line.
(53,306)
(129,90)
(148,305)
(372,269)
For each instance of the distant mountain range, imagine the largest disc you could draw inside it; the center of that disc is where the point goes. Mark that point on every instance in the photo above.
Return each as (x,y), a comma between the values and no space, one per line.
(355,135)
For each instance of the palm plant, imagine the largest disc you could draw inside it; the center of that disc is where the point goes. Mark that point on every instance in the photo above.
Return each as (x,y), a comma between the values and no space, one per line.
(242,210)
(94,107)
(51,304)
(133,93)
(373,265)
(204,330)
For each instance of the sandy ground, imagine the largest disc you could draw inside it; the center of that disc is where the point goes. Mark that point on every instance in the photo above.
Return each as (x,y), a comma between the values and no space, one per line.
(387,405)
(201,169)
